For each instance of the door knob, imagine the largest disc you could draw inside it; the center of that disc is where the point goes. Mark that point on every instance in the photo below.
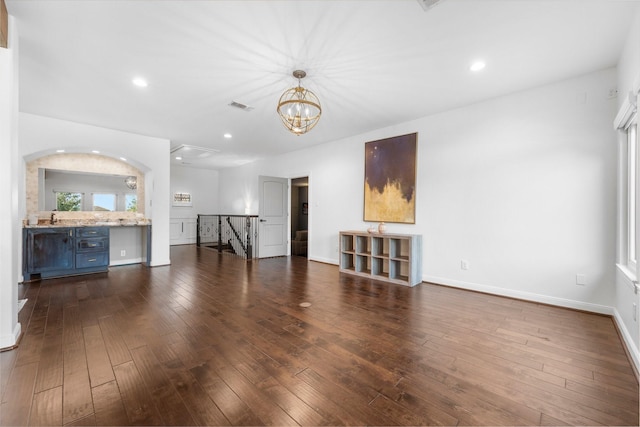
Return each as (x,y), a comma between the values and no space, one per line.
(263,220)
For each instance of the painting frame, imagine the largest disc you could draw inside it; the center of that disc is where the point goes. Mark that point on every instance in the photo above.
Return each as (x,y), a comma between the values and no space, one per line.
(390,172)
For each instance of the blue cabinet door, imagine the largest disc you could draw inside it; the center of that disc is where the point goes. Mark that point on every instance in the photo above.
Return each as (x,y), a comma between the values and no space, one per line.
(50,249)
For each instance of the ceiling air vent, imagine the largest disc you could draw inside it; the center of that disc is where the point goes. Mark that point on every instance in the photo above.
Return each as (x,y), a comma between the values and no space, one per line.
(192,153)
(241,106)
(428,4)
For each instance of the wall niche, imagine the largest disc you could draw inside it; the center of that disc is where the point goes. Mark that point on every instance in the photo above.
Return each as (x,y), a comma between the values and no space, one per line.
(78,163)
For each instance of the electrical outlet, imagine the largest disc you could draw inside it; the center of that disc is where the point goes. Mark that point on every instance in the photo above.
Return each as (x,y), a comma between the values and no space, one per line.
(613,93)
(581,279)
(123,252)
(464,264)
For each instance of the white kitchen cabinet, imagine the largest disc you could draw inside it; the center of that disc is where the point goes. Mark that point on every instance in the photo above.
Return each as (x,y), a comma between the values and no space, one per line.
(182,231)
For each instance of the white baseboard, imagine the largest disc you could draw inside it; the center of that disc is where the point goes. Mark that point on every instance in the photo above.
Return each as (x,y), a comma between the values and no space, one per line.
(9,340)
(125,262)
(323,260)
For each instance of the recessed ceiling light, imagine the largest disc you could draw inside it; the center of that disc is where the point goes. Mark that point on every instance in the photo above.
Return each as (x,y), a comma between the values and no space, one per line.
(95,151)
(227,135)
(140,82)
(59,151)
(477,66)
(123,159)
(178,158)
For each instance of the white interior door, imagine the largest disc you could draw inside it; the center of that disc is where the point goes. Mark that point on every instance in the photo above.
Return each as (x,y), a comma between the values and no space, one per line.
(272,215)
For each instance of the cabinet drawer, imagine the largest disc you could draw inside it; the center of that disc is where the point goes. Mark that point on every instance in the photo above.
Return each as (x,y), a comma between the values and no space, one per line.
(92,232)
(97,244)
(86,260)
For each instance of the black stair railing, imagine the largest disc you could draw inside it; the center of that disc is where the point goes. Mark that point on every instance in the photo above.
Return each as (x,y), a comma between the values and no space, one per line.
(238,237)
(238,232)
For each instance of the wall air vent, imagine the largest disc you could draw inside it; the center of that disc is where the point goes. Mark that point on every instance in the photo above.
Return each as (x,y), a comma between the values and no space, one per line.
(241,106)
(428,4)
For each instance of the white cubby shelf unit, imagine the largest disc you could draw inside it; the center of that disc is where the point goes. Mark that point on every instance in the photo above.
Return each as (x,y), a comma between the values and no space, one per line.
(395,258)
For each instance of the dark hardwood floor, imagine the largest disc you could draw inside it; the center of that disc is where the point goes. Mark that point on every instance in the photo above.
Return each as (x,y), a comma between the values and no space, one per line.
(215,340)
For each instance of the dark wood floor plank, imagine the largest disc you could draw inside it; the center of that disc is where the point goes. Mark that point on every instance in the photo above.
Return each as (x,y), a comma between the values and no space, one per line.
(112,335)
(168,402)
(16,402)
(109,409)
(7,362)
(76,388)
(30,349)
(259,403)
(203,410)
(554,402)
(214,340)
(100,370)
(349,409)
(414,417)
(89,420)
(139,405)
(233,408)
(51,368)
(47,408)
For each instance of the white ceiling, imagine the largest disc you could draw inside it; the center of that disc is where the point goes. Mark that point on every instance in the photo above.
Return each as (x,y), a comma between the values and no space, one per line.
(372,63)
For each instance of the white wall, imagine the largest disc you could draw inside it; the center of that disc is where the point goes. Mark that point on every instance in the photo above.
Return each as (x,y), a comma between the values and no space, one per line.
(523,187)
(628,80)
(42,135)
(9,186)
(202,184)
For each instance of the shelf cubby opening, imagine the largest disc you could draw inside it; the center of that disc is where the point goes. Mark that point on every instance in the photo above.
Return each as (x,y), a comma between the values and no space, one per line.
(376,266)
(382,269)
(399,249)
(399,270)
(363,264)
(347,262)
(346,241)
(362,245)
(377,244)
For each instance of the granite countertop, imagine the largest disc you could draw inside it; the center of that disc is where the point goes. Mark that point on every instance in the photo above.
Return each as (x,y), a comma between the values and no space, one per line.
(126,223)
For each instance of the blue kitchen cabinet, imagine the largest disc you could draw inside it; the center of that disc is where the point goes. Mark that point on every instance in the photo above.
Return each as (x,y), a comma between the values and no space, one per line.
(64,251)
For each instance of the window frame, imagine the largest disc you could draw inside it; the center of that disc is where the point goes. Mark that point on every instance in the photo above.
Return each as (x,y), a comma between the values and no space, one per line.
(628,187)
(631,240)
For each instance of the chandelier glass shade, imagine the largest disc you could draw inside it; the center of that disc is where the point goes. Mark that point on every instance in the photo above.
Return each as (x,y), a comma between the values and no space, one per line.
(299,108)
(131,182)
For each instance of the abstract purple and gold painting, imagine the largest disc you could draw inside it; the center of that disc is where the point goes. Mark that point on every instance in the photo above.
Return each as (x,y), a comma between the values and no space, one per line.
(390,179)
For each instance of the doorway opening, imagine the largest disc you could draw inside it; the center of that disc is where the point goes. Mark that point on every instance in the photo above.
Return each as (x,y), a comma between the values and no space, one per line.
(299,216)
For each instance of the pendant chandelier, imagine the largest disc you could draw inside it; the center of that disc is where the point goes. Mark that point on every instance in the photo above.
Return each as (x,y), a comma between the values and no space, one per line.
(131,182)
(299,108)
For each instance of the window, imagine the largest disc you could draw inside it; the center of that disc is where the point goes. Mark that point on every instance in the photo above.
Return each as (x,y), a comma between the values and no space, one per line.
(632,176)
(626,123)
(68,201)
(104,202)
(131,202)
